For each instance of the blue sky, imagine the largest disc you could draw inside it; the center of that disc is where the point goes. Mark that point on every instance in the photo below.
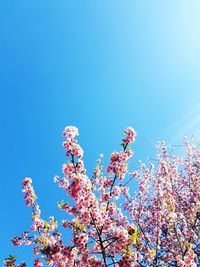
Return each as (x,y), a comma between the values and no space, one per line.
(99,65)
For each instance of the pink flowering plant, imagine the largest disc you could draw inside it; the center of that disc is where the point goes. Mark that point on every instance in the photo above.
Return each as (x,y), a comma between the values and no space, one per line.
(157,226)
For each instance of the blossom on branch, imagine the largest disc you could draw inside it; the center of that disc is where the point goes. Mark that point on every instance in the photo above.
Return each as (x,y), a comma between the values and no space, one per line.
(157,226)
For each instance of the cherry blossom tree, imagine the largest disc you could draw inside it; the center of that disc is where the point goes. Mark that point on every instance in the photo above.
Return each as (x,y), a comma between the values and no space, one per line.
(156,226)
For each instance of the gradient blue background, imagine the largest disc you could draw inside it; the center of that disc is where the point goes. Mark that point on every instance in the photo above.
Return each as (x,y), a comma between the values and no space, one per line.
(100,65)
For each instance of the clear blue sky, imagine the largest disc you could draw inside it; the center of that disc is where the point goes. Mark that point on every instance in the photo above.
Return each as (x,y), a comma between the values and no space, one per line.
(100,65)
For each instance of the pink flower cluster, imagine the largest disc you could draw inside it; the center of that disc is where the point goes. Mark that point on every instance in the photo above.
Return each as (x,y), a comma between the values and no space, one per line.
(118,165)
(70,132)
(37,263)
(70,144)
(130,135)
(80,240)
(30,194)
(157,226)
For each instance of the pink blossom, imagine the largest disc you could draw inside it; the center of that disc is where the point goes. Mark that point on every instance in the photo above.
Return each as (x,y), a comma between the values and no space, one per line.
(130,135)
(37,263)
(70,132)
